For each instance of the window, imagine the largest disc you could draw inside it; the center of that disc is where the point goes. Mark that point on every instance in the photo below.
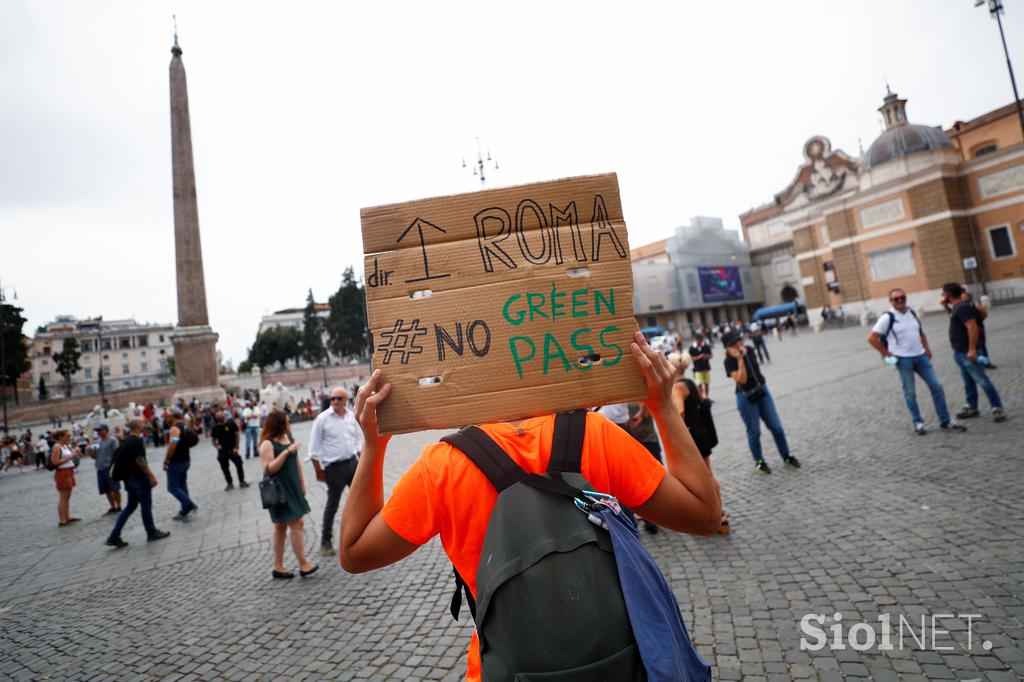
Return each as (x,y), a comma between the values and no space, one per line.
(984,149)
(46,350)
(45,376)
(106,371)
(124,354)
(145,382)
(892,263)
(45,362)
(106,356)
(88,346)
(144,367)
(88,388)
(142,341)
(124,342)
(88,372)
(107,344)
(143,353)
(161,338)
(125,369)
(1000,242)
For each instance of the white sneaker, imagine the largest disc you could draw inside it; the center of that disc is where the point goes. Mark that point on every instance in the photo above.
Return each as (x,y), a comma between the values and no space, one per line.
(953,425)
(919,428)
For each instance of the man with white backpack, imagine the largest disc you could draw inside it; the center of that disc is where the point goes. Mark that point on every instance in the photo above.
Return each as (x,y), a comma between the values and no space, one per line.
(900,338)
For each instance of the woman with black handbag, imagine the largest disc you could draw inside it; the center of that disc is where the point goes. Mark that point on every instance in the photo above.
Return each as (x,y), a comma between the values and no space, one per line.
(753,401)
(283,491)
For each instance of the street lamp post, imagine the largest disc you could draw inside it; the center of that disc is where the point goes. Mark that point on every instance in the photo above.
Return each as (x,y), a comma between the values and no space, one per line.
(995,8)
(3,348)
(479,166)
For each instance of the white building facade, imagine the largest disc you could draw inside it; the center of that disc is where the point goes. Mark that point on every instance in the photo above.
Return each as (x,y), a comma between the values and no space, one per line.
(125,353)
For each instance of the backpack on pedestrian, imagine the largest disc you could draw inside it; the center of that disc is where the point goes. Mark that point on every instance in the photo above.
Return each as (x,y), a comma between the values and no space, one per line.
(565,589)
(884,338)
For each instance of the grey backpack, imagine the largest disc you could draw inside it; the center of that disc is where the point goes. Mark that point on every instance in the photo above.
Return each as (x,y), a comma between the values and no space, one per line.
(549,602)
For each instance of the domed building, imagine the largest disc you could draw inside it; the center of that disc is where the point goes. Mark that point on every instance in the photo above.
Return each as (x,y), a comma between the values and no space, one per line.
(921,207)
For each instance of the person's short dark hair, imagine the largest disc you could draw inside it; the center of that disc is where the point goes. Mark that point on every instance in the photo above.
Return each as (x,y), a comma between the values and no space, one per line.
(731,337)
(895,289)
(953,289)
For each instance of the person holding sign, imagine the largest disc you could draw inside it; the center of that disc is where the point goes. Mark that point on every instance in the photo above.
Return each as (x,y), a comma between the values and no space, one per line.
(444,493)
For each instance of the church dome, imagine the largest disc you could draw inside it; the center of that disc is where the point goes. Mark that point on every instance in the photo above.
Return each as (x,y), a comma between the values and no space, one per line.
(901,138)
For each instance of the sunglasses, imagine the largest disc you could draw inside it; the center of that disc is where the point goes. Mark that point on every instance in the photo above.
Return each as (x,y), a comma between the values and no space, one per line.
(899,299)
(338,400)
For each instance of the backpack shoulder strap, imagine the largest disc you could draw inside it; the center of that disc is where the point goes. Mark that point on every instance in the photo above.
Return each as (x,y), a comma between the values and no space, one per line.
(567,442)
(500,469)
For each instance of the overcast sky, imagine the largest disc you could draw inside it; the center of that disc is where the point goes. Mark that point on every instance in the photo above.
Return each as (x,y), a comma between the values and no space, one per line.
(304,112)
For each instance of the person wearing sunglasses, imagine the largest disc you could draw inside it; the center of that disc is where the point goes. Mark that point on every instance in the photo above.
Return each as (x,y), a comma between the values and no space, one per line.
(898,334)
(334,446)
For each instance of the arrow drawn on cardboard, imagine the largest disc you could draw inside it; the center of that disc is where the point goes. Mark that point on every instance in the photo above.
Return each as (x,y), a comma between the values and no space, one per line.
(419,224)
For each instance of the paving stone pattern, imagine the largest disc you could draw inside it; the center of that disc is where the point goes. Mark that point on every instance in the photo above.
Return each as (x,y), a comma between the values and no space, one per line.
(879,520)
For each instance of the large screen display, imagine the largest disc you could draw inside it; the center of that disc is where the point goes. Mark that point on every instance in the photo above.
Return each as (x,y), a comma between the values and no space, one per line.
(720,284)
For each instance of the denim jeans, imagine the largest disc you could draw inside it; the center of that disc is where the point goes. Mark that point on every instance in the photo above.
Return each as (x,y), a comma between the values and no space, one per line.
(251,446)
(974,374)
(922,366)
(140,493)
(753,414)
(177,484)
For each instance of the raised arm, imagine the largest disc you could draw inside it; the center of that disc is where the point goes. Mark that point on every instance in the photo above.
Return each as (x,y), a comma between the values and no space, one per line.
(686,500)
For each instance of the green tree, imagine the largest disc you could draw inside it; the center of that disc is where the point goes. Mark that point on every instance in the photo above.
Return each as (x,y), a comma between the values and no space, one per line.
(44,392)
(313,350)
(346,321)
(171,368)
(16,360)
(244,367)
(67,361)
(276,345)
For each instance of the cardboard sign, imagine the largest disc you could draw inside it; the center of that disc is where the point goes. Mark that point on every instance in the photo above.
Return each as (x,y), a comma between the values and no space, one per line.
(499,304)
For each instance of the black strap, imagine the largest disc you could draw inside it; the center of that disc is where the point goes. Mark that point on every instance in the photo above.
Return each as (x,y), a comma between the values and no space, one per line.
(567,442)
(460,587)
(500,469)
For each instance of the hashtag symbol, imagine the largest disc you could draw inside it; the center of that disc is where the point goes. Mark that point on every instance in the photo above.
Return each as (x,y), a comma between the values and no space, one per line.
(401,340)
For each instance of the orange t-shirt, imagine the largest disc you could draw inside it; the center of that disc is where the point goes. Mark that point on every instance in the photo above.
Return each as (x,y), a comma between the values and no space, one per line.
(443,491)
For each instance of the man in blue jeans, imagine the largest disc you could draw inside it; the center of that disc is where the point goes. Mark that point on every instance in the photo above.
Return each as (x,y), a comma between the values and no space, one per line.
(139,481)
(965,338)
(754,401)
(180,441)
(898,334)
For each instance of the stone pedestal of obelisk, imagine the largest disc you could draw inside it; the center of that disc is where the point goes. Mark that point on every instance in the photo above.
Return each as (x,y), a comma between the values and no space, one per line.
(195,344)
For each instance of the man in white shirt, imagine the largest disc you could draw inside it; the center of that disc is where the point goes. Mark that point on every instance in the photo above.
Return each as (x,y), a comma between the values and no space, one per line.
(251,420)
(898,334)
(334,446)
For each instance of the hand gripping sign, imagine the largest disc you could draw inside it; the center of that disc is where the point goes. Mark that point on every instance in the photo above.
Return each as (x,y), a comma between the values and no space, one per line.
(499,304)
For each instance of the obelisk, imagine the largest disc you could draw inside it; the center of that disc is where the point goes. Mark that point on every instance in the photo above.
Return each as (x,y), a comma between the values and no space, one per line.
(195,344)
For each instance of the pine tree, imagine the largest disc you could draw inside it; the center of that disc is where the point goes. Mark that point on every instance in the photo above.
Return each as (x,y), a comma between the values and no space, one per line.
(67,361)
(346,322)
(44,392)
(313,350)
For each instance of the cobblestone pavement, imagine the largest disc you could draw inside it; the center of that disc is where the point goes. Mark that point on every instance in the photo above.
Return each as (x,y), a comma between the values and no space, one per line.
(879,521)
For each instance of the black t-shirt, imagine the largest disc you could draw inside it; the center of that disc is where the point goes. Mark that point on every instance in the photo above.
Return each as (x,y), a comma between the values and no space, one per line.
(701,365)
(226,434)
(754,376)
(962,312)
(187,440)
(131,450)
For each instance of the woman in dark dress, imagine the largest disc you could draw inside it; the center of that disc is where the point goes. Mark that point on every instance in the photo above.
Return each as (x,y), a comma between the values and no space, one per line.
(279,457)
(696,413)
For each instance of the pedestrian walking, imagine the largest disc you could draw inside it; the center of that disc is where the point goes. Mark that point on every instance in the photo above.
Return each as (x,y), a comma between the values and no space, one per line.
(251,420)
(130,466)
(335,443)
(102,451)
(278,453)
(64,458)
(225,438)
(756,333)
(177,461)
(899,336)
(14,454)
(445,493)
(43,447)
(754,401)
(700,353)
(964,337)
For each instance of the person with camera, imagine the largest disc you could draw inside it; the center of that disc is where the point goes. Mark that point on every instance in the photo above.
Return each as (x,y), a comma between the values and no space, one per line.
(278,453)
(130,466)
(754,401)
(102,450)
